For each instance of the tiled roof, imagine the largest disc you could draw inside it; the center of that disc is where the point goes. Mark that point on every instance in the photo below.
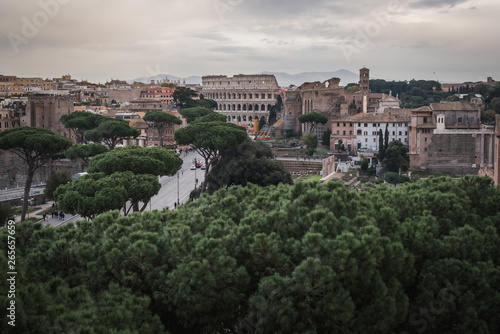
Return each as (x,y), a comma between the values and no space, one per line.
(453,106)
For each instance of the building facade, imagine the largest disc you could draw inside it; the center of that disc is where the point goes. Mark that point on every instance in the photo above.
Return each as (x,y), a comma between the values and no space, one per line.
(449,138)
(242,98)
(361,131)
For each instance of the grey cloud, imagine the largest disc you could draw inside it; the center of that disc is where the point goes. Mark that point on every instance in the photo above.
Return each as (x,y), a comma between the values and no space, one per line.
(436,4)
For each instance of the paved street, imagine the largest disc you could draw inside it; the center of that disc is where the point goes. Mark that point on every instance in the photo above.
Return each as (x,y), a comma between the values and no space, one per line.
(186,180)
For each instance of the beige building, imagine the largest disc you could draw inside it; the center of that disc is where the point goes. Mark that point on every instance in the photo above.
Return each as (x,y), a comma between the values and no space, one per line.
(449,138)
(242,98)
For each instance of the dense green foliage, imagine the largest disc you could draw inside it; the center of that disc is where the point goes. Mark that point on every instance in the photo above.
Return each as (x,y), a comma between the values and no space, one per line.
(111,132)
(85,151)
(249,162)
(211,117)
(307,258)
(95,193)
(190,114)
(209,138)
(325,139)
(35,146)
(396,157)
(126,174)
(310,140)
(81,121)
(183,97)
(139,160)
(413,93)
(313,119)
(55,180)
(6,213)
(206,103)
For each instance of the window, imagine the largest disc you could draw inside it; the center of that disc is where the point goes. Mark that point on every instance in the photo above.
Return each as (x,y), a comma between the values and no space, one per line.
(374,140)
(425,149)
(374,125)
(400,133)
(338,124)
(425,139)
(366,125)
(150,138)
(350,124)
(425,119)
(344,125)
(460,120)
(393,133)
(350,133)
(338,132)
(359,124)
(344,132)
(406,133)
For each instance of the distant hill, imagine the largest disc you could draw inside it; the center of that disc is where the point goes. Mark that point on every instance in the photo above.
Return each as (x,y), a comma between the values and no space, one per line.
(284,79)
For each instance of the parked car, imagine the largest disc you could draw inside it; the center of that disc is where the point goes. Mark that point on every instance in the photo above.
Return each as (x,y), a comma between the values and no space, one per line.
(203,167)
(193,167)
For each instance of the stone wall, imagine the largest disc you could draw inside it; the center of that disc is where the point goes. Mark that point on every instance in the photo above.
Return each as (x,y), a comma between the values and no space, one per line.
(13,170)
(458,154)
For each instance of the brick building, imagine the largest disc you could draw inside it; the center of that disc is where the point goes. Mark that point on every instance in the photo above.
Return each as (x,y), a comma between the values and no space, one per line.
(45,111)
(449,138)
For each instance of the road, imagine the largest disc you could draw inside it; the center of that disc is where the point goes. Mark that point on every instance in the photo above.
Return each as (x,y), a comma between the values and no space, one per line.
(185,180)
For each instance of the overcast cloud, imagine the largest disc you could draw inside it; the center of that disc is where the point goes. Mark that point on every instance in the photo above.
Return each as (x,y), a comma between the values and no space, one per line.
(450,40)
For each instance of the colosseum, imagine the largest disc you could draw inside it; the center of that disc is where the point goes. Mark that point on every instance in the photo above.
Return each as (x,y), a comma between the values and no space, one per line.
(242,98)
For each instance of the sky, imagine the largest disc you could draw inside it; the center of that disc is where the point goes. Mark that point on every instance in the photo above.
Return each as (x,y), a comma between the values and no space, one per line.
(449,40)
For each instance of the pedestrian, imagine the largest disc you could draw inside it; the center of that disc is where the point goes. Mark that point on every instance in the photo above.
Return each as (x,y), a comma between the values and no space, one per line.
(175,205)
(44,216)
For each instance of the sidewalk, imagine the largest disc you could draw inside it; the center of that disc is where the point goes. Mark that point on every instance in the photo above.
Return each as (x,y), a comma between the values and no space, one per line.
(52,221)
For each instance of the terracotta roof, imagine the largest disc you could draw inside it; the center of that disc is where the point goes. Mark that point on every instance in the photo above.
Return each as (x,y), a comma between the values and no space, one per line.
(426,126)
(453,106)
(389,115)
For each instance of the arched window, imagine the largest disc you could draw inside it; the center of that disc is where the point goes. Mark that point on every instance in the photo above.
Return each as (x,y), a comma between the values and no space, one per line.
(262,108)
(250,107)
(256,107)
(239,107)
